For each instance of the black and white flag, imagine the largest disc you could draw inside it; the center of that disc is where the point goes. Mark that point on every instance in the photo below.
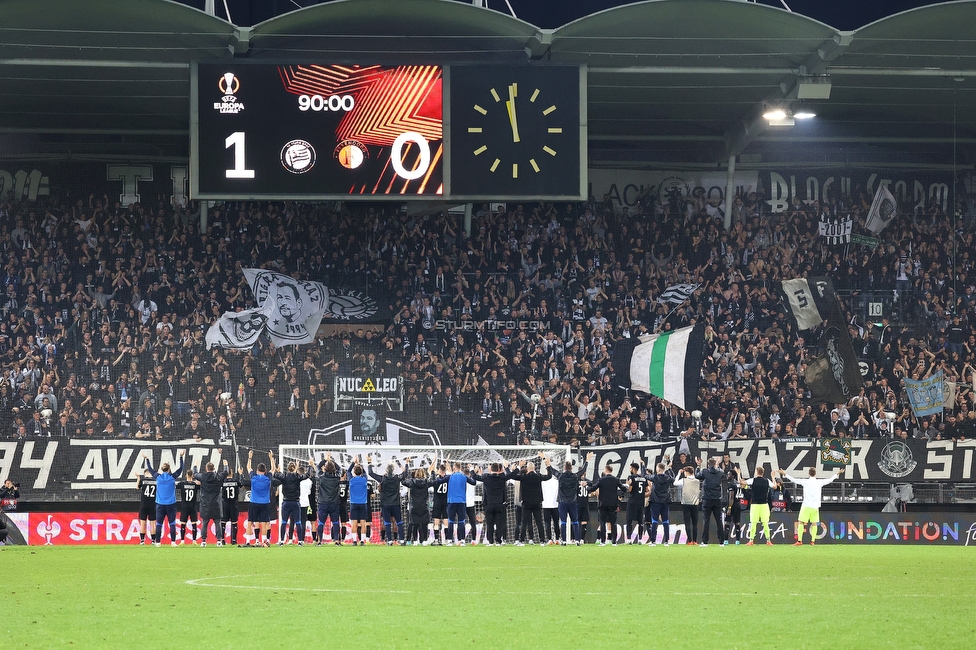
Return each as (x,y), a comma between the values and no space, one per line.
(238,330)
(678,293)
(836,231)
(294,307)
(808,300)
(883,210)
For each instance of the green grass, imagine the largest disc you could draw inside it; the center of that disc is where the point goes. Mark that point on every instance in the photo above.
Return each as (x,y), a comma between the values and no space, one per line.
(832,596)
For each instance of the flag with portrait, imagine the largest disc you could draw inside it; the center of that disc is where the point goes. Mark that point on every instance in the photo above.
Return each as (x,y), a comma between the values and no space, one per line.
(294,307)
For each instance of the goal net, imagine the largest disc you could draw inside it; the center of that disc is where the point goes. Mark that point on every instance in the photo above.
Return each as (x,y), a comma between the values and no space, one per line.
(423,457)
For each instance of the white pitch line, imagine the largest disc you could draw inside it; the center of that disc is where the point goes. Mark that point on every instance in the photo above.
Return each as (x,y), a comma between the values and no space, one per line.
(205,582)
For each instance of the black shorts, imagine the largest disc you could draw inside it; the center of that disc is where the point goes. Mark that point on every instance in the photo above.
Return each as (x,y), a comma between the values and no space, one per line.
(584,510)
(147,511)
(635,512)
(259,513)
(229,511)
(440,510)
(189,514)
(359,512)
(343,512)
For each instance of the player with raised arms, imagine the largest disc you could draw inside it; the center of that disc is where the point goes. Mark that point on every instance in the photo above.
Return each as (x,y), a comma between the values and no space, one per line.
(759,509)
(165,497)
(569,485)
(812,498)
(608,486)
(494,494)
(636,494)
(418,487)
(328,482)
(358,502)
(210,483)
(390,508)
(259,511)
(291,509)
(189,509)
(230,489)
(439,511)
(457,500)
(146,485)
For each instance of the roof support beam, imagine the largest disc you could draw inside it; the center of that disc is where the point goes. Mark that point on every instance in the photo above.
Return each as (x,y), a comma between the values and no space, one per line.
(93,63)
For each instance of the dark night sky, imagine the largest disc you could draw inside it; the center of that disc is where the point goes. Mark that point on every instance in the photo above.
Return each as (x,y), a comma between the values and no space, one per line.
(842,14)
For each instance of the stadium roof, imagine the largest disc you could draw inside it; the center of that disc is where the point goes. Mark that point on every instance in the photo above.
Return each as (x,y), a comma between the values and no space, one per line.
(670,83)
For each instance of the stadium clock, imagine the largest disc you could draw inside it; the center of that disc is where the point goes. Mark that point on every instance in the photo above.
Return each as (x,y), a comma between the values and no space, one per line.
(517,131)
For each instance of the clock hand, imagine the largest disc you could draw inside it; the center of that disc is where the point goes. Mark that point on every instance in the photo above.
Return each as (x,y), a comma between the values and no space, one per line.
(512,117)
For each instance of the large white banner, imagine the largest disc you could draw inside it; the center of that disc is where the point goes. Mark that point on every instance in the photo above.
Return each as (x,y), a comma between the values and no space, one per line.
(624,187)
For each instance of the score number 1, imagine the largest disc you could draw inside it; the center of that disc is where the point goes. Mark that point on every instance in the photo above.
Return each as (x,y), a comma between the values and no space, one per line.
(236,140)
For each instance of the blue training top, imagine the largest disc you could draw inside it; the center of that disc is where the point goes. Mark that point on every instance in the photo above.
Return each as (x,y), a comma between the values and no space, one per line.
(358,492)
(165,484)
(457,487)
(260,488)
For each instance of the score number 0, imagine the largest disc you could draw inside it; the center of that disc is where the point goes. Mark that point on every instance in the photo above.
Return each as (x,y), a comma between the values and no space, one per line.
(236,140)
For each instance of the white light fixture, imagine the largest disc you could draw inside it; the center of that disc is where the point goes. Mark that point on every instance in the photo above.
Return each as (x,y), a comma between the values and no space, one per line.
(804,115)
(775,114)
(813,87)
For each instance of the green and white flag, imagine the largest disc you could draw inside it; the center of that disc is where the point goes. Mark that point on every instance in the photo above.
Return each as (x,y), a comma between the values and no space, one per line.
(666,365)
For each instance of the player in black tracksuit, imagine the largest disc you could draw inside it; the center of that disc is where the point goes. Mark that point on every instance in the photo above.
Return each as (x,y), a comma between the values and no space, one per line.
(230,492)
(210,484)
(328,487)
(570,485)
(291,508)
(660,509)
(608,486)
(189,509)
(343,505)
(494,495)
(531,481)
(311,513)
(636,494)
(439,510)
(712,497)
(583,507)
(419,488)
(390,507)
(146,485)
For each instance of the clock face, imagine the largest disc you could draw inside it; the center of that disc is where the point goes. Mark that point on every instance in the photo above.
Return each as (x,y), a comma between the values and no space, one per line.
(515,132)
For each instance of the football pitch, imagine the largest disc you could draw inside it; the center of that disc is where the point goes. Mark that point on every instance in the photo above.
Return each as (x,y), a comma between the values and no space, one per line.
(831,596)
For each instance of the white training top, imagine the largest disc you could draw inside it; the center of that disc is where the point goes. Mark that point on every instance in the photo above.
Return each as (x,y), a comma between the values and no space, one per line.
(812,489)
(550,493)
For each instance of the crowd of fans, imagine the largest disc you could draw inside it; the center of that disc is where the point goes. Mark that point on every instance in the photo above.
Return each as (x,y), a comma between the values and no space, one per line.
(105,307)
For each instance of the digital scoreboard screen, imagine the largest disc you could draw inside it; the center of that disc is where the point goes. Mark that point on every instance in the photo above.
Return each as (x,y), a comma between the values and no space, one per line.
(316,131)
(463,132)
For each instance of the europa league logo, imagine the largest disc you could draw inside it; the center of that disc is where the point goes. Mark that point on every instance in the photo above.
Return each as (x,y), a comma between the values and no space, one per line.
(229,84)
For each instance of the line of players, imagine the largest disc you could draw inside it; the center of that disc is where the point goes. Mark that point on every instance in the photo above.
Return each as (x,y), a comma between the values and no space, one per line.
(442,503)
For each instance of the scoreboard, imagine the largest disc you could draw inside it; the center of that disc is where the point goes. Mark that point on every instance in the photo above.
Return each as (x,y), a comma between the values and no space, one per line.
(340,132)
